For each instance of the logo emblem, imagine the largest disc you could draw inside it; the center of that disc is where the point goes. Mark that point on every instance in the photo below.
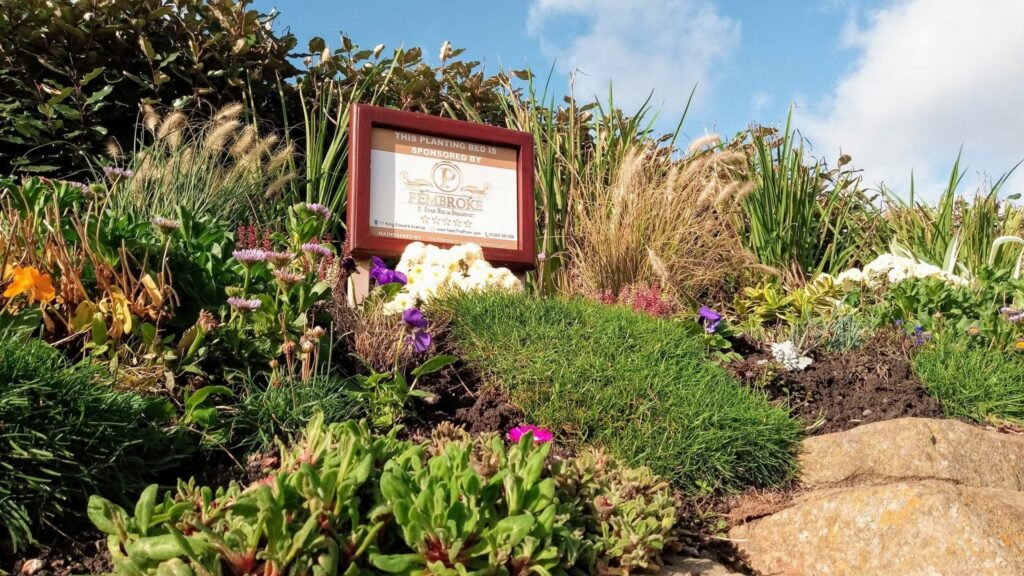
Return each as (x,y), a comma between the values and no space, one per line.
(447,176)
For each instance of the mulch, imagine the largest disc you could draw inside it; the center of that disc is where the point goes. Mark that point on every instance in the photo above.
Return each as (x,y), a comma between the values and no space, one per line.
(841,390)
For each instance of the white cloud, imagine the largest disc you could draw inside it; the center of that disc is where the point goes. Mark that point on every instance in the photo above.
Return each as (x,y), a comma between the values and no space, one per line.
(666,46)
(930,76)
(760,101)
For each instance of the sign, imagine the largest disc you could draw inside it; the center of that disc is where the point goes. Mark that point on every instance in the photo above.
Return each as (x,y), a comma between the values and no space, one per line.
(422,178)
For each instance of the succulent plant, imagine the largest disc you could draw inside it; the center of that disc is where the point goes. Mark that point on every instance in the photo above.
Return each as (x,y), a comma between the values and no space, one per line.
(346,501)
(628,513)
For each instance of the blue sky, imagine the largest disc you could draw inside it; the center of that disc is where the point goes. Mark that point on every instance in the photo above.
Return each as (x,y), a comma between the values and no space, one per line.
(898,84)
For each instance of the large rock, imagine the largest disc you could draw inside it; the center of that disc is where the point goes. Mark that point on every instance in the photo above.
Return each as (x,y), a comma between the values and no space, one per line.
(909,496)
(909,527)
(914,448)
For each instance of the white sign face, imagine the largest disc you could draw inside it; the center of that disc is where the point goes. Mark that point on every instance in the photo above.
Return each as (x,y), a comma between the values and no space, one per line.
(441,190)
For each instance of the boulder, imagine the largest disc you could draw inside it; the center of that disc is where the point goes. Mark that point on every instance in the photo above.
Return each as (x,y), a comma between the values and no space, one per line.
(909,527)
(907,496)
(914,448)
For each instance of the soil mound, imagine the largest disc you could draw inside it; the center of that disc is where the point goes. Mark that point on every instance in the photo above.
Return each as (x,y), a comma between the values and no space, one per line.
(870,384)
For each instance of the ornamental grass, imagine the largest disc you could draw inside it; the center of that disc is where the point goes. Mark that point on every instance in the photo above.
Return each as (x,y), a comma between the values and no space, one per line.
(660,221)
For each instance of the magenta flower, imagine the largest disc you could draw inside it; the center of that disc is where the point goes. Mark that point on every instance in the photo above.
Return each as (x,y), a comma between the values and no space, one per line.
(244,305)
(709,319)
(414,318)
(540,435)
(249,256)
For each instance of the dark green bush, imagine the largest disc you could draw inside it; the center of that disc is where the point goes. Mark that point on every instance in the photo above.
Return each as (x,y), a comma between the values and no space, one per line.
(73,74)
(640,386)
(972,379)
(64,433)
(344,501)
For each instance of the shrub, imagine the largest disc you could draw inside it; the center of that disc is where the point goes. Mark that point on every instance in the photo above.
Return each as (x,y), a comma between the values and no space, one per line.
(640,386)
(971,379)
(344,501)
(72,73)
(63,434)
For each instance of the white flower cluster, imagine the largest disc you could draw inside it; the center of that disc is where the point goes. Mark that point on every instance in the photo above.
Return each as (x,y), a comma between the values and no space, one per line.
(787,354)
(430,269)
(896,269)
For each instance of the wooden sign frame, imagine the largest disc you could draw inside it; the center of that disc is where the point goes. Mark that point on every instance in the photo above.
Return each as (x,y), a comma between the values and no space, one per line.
(364,118)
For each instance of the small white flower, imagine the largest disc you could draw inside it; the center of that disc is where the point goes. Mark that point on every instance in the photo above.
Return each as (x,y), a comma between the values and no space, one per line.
(787,354)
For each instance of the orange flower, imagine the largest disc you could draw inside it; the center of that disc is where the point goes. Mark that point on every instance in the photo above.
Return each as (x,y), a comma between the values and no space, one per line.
(28,280)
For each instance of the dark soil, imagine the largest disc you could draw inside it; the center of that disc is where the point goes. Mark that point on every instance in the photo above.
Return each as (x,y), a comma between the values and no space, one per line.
(872,383)
(460,398)
(85,553)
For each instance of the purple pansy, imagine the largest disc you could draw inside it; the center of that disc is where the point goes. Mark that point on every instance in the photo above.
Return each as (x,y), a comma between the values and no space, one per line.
(420,341)
(381,274)
(709,319)
(414,318)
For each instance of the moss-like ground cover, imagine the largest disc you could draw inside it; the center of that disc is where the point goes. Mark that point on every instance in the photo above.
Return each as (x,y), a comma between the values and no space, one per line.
(640,386)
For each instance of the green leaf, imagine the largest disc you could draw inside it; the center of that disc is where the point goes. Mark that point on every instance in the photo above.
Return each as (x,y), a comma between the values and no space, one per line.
(144,508)
(99,94)
(513,529)
(199,396)
(147,48)
(397,563)
(105,515)
(434,364)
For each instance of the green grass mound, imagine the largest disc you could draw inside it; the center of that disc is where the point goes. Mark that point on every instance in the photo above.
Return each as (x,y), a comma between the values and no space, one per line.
(637,385)
(65,433)
(973,381)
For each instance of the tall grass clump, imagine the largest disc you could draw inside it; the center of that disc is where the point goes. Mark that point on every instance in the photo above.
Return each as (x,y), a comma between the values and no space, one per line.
(66,433)
(801,218)
(326,105)
(955,232)
(660,221)
(220,167)
(637,385)
(972,380)
(281,410)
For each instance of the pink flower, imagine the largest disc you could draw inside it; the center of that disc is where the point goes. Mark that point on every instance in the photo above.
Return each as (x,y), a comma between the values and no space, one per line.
(540,435)
(249,256)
